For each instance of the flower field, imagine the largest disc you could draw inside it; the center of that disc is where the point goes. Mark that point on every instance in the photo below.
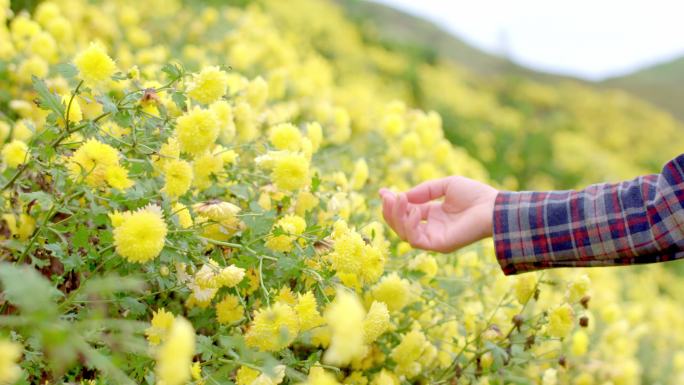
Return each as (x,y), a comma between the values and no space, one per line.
(189,196)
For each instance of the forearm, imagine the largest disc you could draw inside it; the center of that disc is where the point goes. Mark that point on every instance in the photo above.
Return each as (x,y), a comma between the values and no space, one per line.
(638,221)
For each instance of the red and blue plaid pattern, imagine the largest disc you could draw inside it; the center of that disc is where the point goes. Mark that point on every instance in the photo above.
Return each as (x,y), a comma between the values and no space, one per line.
(632,222)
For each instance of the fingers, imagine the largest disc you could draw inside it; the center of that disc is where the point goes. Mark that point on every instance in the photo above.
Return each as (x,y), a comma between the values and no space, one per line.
(387,206)
(400,215)
(428,191)
(415,230)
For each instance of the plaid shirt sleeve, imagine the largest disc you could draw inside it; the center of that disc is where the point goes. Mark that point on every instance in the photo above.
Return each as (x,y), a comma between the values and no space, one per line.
(633,222)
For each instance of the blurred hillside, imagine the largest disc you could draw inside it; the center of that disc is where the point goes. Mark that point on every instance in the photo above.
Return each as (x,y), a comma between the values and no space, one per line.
(662,84)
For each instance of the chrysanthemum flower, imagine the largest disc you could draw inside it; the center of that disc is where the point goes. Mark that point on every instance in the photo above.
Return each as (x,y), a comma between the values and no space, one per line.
(197,131)
(209,85)
(377,322)
(15,153)
(177,178)
(183,215)
(10,353)
(345,318)
(290,171)
(285,136)
(229,310)
(94,65)
(525,286)
(117,176)
(174,358)
(561,321)
(293,226)
(393,291)
(93,159)
(224,115)
(307,311)
(409,353)
(140,235)
(161,325)
(273,328)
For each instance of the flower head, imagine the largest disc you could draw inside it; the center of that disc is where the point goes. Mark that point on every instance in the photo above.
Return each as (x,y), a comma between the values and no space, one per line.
(94,65)
(290,171)
(15,153)
(140,235)
(197,131)
(174,357)
(209,85)
(10,353)
(273,328)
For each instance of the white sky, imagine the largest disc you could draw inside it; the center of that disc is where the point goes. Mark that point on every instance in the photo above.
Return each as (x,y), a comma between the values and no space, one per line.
(592,39)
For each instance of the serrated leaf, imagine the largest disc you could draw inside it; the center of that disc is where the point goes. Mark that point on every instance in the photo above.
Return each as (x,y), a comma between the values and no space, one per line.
(172,70)
(67,70)
(107,104)
(110,284)
(41,198)
(47,99)
(26,289)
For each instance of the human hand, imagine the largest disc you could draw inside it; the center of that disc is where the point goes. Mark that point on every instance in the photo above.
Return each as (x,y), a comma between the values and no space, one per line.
(461,218)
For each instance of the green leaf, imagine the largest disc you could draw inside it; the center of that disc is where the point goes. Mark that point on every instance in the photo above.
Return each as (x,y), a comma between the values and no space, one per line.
(107,104)
(67,70)
(180,100)
(41,198)
(47,99)
(173,71)
(25,288)
(110,284)
(136,307)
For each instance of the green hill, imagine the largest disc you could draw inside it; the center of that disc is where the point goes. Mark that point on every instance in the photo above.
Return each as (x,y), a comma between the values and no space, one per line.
(661,85)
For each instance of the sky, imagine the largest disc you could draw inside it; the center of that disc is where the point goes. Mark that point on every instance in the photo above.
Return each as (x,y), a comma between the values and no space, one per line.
(591,39)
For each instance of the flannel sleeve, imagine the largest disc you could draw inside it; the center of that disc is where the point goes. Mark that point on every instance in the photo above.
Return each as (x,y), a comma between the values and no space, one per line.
(632,222)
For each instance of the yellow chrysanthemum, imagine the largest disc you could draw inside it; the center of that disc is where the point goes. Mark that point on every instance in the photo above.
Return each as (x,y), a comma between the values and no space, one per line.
(578,288)
(182,213)
(15,153)
(92,160)
(345,318)
(117,176)
(307,312)
(377,322)
(72,109)
(561,321)
(285,136)
(229,310)
(174,357)
(293,226)
(426,264)
(229,276)
(355,261)
(394,291)
(209,85)
(94,65)
(224,115)
(10,353)
(360,174)
(141,234)
(246,375)
(177,178)
(290,171)
(314,132)
(318,376)
(161,324)
(525,287)
(197,131)
(409,353)
(273,328)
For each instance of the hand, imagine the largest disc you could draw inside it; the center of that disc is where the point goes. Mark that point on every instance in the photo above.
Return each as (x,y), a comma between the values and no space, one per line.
(461,218)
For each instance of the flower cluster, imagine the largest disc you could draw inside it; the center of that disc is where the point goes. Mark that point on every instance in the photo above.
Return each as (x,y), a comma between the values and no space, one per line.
(216,196)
